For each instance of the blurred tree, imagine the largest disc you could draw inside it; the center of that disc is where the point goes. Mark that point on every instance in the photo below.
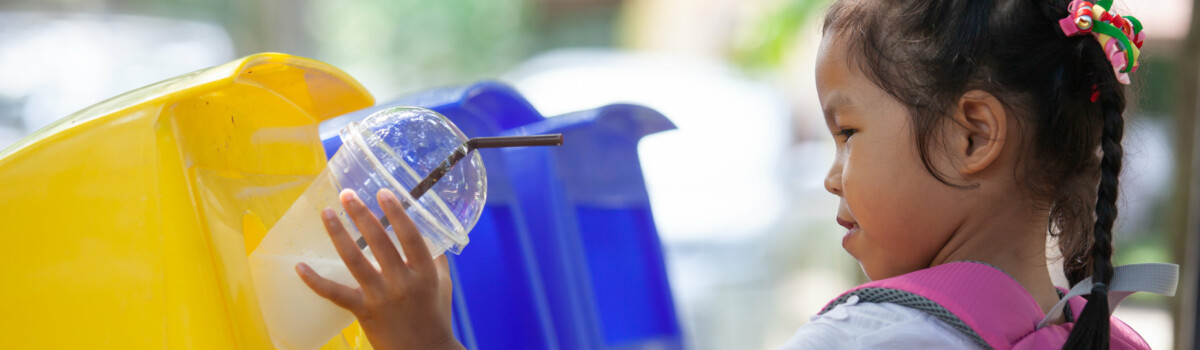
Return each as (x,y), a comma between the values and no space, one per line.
(566,23)
(774,35)
(403,45)
(391,46)
(1185,235)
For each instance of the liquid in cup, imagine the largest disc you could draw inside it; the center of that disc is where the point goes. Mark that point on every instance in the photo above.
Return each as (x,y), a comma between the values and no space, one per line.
(395,149)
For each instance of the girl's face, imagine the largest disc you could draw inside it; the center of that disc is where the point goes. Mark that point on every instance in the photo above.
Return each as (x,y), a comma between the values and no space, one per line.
(898,216)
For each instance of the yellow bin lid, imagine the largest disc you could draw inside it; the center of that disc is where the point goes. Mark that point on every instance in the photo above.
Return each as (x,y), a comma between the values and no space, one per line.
(123,223)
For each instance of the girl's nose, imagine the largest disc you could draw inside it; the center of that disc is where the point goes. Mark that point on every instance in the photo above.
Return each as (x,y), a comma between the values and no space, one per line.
(833,180)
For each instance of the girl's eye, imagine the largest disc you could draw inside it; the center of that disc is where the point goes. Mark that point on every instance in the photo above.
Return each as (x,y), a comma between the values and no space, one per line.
(847,133)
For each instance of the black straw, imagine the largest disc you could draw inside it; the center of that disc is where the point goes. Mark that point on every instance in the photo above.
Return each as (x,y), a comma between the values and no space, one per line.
(462,152)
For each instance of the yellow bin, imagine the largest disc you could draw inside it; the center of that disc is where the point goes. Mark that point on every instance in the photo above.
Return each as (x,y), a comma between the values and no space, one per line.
(127,225)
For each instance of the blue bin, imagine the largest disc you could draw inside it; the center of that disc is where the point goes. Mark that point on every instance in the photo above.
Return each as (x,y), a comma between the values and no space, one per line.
(567,256)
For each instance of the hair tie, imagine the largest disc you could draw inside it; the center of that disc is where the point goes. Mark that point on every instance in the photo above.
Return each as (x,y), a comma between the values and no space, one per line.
(1099,287)
(1084,18)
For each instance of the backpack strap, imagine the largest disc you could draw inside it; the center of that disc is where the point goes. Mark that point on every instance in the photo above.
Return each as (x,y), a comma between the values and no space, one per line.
(979,300)
(1158,278)
(912,301)
(993,310)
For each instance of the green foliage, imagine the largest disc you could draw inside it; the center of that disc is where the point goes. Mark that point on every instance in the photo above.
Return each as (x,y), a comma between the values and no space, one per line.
(773,36)
(1157,78)
(419,43)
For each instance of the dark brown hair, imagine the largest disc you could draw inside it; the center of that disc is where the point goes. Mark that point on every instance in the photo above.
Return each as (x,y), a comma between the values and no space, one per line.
(928,53)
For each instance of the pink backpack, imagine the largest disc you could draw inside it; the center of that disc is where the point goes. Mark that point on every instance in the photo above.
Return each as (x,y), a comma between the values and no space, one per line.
(991,308)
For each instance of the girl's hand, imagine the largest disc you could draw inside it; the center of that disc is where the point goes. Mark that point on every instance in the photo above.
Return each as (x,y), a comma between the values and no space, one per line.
(405,304)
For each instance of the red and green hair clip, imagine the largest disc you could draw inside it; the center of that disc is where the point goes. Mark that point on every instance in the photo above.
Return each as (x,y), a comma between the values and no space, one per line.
(1121,36)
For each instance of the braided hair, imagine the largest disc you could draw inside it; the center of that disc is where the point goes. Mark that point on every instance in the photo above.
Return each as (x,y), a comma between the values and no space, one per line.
(1062,90)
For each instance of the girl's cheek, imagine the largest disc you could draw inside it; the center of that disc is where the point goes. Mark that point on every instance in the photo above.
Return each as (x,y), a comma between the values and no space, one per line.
(852,191)
(852,171)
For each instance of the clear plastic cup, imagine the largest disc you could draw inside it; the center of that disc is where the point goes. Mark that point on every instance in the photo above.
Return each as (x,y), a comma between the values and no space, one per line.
(393,148)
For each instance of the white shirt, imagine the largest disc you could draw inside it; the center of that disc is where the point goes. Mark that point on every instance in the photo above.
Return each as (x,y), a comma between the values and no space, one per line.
(865,325)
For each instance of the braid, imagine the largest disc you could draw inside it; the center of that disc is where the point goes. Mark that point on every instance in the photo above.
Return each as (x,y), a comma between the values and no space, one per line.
(1092,329)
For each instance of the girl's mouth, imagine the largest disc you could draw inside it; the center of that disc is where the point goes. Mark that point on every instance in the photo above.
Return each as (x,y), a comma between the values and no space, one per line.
(851,228)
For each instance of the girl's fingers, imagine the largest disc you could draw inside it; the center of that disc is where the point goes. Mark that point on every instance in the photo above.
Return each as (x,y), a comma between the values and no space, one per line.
(415,250)
(373,233)
(342,296)
(359,267)
(442,265)
(445,281)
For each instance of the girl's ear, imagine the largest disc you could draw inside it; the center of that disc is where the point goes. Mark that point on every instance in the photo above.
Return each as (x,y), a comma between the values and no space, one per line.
(980,136)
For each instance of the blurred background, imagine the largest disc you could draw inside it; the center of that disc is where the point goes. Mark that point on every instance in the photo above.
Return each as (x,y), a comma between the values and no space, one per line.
(752,246)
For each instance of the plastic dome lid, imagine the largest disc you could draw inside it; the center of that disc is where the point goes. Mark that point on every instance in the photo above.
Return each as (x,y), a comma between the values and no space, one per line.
(410,142)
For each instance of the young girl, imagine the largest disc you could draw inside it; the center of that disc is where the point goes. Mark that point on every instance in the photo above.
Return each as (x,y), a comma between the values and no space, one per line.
(966,131)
